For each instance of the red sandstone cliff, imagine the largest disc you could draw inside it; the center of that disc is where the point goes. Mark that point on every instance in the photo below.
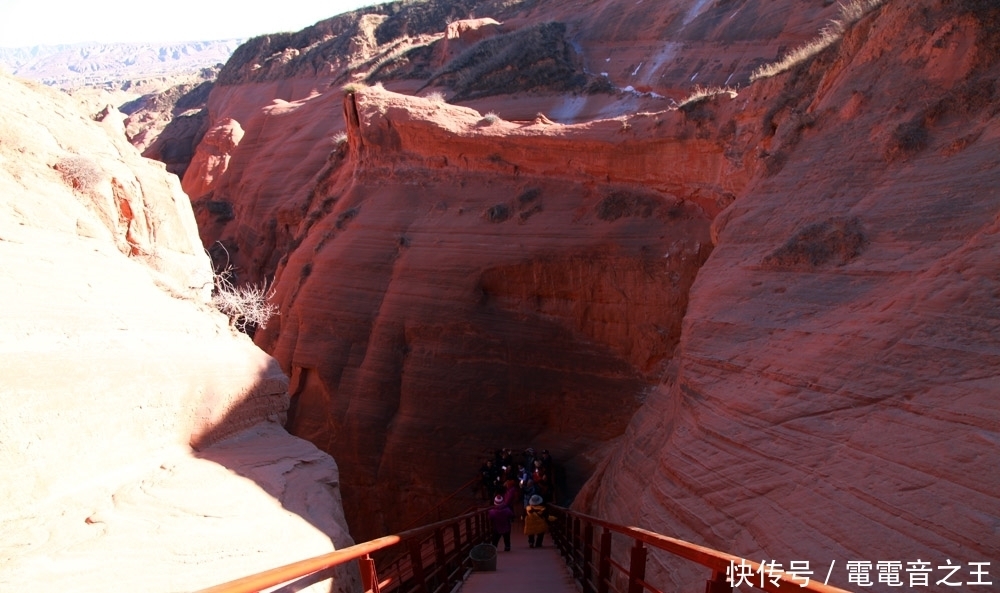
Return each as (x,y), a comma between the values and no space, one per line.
(553,260)
(837,377)
(141,443)
(451,270)
(451,283)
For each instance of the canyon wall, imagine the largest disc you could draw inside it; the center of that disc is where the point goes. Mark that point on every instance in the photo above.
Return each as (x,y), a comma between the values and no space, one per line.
(432,266)
(453,269)
(745,314)
(835,391)
(142,445)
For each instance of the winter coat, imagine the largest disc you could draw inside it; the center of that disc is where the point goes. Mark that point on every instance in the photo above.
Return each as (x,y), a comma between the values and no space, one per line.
(500,518)
(536,519)
(511,494)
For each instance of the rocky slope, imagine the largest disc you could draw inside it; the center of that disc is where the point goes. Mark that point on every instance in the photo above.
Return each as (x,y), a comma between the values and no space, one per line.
(168,124)
(451,281)
(142,446)
(467,277)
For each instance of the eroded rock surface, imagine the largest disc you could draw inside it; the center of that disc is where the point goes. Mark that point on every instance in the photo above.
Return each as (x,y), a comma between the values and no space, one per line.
(451,281)
(497,270)
(131,410)
(836,381)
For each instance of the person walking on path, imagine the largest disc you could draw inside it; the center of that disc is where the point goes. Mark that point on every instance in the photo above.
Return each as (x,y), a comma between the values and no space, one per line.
(536,522)
(511,495)
(500,518)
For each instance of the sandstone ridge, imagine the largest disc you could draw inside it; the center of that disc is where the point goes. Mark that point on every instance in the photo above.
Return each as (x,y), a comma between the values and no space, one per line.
(142,444)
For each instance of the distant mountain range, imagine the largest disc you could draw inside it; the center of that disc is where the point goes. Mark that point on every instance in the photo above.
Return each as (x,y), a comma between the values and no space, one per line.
(99,63)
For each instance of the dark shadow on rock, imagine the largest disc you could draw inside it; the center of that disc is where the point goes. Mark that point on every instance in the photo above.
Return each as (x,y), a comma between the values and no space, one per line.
(251,442)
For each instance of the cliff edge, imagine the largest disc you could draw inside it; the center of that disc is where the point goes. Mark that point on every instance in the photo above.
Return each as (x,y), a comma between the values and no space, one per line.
(142,447)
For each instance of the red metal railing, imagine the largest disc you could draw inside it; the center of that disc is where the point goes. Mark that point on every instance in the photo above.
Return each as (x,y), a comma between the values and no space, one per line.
(435,558)
(594,566)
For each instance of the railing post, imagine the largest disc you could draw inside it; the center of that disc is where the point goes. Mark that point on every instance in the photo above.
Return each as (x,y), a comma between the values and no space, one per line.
(588,556)
(560,529)
(566,543)
(604,562)
(575,552)
(417,564)
(439,556)
(468,531)
(369,578)
(456,557)
(719,583)
(637,568)
(456,535)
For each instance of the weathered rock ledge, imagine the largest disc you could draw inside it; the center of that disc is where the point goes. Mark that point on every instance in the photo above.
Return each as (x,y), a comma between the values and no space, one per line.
(142,446)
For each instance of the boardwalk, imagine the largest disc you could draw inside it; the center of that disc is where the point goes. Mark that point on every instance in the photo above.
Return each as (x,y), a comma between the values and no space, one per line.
(524,570)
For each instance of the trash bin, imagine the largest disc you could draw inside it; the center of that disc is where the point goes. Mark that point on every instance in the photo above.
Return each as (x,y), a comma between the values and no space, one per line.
(484,557)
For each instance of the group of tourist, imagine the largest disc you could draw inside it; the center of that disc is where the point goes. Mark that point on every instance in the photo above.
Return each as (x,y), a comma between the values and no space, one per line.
(519,486)
(529,472)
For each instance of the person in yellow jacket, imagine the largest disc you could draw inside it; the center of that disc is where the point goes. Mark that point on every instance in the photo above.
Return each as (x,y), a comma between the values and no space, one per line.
(536,521)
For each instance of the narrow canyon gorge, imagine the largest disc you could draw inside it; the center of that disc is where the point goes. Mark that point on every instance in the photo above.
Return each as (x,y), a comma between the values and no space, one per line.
(751,308)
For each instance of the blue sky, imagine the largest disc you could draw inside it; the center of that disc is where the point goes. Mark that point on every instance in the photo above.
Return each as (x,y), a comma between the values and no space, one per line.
(47,22)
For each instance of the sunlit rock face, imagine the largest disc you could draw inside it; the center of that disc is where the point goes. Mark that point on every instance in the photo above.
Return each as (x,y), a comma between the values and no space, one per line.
(835,396)
(142,440)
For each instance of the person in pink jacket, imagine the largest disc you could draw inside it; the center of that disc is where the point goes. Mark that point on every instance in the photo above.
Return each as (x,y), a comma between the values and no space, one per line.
(500,518)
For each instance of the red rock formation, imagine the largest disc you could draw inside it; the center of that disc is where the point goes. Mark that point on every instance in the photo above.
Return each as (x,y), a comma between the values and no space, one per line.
(451,282)
(461,35)
(574,289)
(621,207)
(115,366)
(835,392)
(212,156)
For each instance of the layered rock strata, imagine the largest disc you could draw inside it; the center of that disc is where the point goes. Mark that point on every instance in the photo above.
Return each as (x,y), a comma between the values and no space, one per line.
(285,186)
(452,281)
(452,268)
(835,390)
(142,446)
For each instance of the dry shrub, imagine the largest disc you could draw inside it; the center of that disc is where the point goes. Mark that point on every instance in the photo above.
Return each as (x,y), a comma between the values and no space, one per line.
(498,213)
(533,57)
(621,204)
(907,140)
(701,93)
(850,13)
(835,240)
(529,196)
(247,307)
(345,217)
